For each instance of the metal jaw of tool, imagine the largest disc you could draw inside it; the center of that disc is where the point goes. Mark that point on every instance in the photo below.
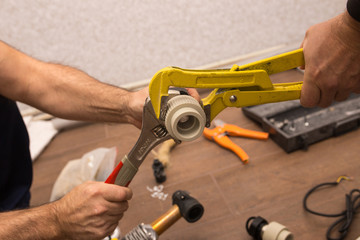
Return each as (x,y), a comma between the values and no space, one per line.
(153,132)
(184,121)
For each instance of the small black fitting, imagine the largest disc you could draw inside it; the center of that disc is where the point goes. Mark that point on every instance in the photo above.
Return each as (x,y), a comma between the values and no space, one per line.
(190,208)
(159,171)
(254,230)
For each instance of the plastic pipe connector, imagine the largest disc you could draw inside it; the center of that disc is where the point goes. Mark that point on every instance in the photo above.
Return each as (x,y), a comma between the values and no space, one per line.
(185,119)
(276,231)
(190,208)
(260,229)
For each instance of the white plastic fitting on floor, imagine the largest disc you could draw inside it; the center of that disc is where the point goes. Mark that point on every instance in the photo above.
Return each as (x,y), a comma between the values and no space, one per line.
(276,231)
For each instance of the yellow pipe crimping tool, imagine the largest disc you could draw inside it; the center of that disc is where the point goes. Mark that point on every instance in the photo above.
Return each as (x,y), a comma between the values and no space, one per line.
(169,114)
(239,86)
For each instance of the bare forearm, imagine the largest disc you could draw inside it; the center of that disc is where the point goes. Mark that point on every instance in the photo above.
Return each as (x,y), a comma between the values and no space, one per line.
(65,91)
(71,93)
(36,223)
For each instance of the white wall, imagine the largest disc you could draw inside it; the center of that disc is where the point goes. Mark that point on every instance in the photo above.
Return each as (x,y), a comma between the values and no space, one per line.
(124,41)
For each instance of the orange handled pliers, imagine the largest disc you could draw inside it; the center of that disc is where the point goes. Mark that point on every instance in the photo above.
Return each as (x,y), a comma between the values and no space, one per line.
(221,132)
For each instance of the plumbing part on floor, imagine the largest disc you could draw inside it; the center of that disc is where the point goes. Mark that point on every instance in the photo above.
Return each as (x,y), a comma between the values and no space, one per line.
(346,217)
(163,160)
(183,206)
(159,171)
(220,134)
(260,229)
(163,153)
(168,114)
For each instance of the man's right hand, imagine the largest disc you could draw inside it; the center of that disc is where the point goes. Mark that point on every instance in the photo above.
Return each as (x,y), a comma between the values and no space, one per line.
(91,210)
(332,61)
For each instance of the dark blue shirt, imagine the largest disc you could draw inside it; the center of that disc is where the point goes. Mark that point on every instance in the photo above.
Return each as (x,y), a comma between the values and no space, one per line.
(15,159)
(353,8)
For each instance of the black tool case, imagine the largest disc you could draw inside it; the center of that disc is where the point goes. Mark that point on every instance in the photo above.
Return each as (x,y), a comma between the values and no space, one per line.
(294,127)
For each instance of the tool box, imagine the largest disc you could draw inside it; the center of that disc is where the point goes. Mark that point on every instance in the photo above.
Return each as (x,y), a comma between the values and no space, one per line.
(294,127)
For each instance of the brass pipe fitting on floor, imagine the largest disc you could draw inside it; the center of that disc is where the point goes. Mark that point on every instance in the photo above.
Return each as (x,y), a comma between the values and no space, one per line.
(183,206)
(166,220)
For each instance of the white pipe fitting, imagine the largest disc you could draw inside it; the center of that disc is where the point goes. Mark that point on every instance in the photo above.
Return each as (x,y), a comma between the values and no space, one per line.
(276,231)
(185,119)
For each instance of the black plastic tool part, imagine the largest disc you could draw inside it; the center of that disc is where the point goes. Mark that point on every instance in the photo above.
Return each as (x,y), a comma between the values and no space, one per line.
(190,208)
(159,171)
(256,225)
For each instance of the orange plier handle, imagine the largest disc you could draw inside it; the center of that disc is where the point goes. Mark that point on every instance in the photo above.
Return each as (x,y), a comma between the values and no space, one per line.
(236,131)
(219,135)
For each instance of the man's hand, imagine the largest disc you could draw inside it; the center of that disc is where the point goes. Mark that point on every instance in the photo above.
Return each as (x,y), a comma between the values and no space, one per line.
(332,61)
(137,100)
(91,210)
(194,93)
(136,105)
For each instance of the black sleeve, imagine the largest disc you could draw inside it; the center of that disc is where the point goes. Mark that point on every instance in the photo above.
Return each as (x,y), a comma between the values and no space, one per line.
(353,8)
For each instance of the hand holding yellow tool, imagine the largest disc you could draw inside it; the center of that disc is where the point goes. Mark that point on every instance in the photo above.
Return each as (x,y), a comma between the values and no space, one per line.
(220,134)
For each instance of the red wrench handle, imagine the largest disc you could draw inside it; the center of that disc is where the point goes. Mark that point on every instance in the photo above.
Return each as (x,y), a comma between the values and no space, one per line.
(123,173)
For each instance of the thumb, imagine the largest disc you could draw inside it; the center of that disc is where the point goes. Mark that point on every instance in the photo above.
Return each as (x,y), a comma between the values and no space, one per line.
(310,94)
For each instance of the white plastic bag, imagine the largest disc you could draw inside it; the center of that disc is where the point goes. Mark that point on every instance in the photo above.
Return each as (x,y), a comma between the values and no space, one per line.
(93,166)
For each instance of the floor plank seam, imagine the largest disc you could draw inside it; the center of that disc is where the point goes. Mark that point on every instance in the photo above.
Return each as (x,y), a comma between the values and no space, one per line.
(222,194)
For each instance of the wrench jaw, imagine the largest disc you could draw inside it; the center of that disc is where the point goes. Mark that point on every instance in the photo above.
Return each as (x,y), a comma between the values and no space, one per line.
(186,123)
(153,132)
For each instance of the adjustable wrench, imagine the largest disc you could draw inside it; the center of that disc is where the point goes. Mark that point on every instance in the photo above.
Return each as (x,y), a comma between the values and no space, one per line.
(153,132)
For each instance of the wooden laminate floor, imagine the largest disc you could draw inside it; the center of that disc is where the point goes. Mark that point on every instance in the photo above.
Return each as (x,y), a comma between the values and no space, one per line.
(271,185)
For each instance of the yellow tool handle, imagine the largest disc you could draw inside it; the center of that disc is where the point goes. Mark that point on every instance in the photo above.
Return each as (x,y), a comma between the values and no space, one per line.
(251,83)
(218,101)
(276,64)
